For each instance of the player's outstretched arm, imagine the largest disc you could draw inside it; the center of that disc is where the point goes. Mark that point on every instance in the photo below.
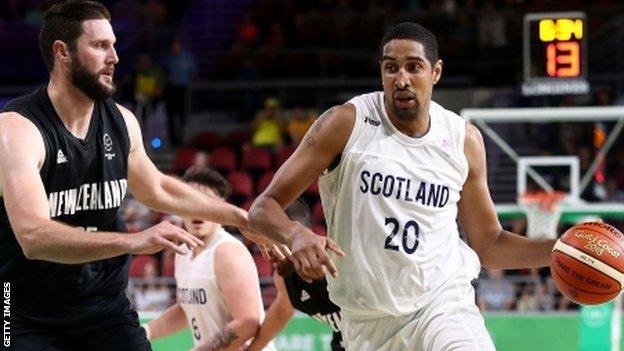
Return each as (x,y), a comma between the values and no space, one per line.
(321,146)
(169,322)
(276,319)
(237,279)
(497,248)
(22,153)
(167,194)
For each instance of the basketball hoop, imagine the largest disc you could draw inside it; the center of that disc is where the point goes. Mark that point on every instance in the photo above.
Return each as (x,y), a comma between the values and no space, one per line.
(542,211)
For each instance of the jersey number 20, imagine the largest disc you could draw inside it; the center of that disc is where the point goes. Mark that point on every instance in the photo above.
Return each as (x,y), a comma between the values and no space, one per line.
(410,229)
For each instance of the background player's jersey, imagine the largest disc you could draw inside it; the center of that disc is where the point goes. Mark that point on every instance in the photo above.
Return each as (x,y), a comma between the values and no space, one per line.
(198,291)
(313,299)
(85,183)
(391,204)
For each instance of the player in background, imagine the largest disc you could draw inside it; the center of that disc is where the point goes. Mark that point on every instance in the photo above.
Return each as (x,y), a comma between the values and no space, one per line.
(295,293)
(68,155)
(396,172)
(218,293)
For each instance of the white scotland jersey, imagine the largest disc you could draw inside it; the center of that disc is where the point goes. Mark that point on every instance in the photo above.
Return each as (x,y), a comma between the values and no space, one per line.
(391,204)
(199,295)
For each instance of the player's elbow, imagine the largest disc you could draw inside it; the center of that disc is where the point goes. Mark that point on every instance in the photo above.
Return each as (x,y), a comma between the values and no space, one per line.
(488,246)
(27,240)
(487,257)
(486,262)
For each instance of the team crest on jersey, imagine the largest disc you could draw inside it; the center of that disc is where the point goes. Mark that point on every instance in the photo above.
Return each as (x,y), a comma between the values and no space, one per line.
(60,157)
(108,146)
(304,295)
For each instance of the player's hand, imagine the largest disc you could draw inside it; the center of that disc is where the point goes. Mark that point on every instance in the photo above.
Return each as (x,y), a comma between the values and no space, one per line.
(309,254)
(161,236)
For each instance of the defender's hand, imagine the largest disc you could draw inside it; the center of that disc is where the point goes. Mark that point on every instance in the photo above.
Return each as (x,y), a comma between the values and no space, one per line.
(309,255)
(161,236)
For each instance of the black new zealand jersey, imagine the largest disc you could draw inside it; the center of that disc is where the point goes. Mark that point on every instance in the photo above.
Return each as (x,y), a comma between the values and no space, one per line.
(85,183)
(313,299)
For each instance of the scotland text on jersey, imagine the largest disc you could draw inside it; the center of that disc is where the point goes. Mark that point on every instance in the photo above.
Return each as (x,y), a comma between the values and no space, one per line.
(88,197)
(401,188)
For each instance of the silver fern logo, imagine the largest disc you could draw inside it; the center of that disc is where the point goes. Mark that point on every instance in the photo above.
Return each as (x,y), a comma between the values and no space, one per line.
(108,142)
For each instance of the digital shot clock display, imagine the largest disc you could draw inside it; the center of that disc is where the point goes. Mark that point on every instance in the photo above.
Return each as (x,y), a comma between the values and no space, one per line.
(555,54)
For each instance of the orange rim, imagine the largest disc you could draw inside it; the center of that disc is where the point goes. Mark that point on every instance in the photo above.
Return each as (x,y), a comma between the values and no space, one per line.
(547,201)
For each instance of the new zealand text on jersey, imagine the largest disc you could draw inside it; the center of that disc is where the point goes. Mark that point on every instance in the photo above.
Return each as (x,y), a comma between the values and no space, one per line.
(402,188)
(88,197)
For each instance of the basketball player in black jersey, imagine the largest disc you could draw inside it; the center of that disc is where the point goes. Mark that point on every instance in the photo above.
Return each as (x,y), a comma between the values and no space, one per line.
(295,293)
(68,154)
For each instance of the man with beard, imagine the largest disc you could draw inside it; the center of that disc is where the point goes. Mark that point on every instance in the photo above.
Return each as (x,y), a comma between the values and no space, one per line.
(396,172)
(68,154)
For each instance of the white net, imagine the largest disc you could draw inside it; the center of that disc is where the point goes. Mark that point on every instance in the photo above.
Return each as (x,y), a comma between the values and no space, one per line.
(542,212)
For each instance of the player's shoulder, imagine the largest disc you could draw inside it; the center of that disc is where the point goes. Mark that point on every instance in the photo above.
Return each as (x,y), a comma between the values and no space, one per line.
(338,119)
(340,113)
(15,124)
(232,255)
(228,245)
(473,134)
(127,115)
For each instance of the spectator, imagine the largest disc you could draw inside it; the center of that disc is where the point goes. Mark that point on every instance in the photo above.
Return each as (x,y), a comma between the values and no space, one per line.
(614,193)
(248,31)
(181,69)
(148,88)
(154,296)
(267,125)
(492,29)
(298,124)
(496,293)
(545,300)
(527,302)
(136,215)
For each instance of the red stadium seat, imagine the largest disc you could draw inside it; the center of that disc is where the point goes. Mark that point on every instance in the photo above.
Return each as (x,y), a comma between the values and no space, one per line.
(242,186)
(257,160)
(138,263)
(237,139)
(168,264)
(283,153)
(264,181)
(313,189)
(223,159)
(265,267)
(206,140)
(246,204)
(319,229)
(184,159)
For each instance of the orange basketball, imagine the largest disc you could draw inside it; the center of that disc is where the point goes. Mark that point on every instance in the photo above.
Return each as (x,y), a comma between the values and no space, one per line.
(587,263)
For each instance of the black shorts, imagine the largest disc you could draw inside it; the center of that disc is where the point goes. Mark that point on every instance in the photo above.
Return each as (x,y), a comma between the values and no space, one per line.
(120,333)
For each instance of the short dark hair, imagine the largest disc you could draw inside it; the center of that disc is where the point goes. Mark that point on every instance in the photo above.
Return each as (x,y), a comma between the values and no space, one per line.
(416,32)
(63,21)
(210,178)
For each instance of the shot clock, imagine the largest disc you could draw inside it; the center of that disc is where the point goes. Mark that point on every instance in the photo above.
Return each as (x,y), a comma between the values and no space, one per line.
(555,54)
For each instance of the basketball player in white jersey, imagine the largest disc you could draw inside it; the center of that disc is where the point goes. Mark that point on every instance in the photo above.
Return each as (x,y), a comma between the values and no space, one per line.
(396,171)
(218,293)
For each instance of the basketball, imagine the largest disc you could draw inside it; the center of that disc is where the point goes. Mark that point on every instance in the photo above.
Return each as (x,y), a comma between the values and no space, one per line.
(587,264)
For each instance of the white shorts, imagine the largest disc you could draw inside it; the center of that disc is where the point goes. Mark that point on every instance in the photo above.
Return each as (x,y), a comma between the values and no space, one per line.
(452,321)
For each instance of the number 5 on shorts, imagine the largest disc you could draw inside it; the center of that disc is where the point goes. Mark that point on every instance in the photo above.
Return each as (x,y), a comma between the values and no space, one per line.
(410,227)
